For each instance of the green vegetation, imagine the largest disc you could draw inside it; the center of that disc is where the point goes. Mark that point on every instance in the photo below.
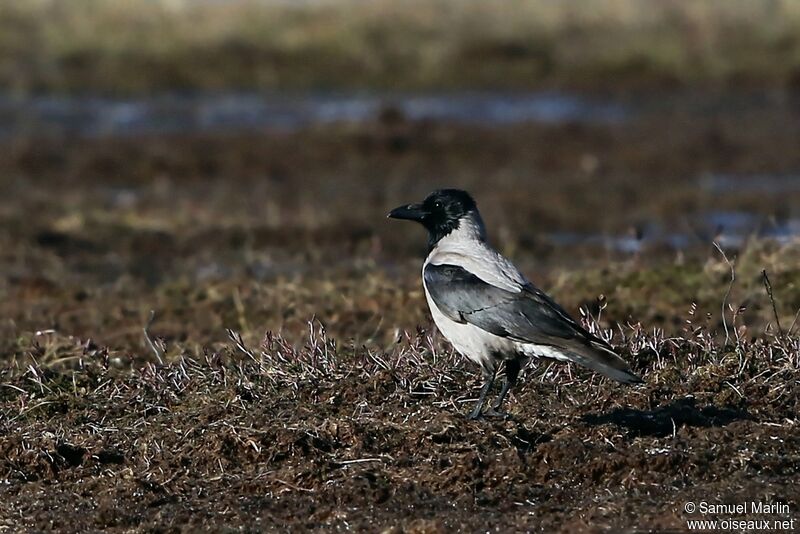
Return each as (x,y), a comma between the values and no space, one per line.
(138,46)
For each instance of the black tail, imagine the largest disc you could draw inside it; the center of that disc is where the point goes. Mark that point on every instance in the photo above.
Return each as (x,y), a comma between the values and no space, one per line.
(599,356)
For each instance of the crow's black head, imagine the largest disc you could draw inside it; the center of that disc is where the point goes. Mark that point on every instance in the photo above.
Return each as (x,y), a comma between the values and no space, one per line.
(440,213)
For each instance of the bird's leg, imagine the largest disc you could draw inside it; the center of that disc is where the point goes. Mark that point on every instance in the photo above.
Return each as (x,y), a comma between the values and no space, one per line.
(488,381)
(511,372)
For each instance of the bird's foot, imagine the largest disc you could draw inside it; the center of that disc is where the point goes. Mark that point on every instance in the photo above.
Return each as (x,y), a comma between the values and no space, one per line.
(491,413)
(496,414)
(475,415)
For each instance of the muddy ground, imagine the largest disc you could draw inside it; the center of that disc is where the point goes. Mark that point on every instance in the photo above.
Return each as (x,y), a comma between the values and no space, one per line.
(274,235)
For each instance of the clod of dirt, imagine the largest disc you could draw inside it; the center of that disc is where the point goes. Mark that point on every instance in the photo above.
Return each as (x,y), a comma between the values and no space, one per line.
(71,454)
(110,456)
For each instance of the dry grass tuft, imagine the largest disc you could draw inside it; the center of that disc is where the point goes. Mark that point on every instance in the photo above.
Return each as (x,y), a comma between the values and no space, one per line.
(315,435)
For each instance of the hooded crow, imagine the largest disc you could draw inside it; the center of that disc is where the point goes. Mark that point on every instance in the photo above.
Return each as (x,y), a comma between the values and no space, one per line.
(487,309)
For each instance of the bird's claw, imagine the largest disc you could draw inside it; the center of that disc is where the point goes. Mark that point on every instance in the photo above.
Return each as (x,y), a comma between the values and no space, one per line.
(491,413)
(496,414)
(474,416)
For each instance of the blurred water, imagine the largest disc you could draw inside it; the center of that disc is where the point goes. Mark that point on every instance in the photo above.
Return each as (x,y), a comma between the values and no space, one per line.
(175,113)
(750,183)
(730,229)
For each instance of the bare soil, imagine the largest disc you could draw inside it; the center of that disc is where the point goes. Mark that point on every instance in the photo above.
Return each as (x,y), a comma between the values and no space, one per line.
(352,439)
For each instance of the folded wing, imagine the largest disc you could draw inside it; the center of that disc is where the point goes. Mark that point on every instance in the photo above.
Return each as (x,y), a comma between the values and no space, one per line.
(527,316)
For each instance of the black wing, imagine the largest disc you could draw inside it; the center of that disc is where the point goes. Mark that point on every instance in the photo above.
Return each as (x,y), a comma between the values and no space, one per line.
(528,316)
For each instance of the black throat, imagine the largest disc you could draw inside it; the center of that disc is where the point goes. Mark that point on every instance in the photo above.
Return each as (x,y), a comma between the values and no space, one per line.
(441,230)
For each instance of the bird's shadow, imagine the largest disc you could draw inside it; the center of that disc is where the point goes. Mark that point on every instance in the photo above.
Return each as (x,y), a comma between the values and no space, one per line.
(665,420)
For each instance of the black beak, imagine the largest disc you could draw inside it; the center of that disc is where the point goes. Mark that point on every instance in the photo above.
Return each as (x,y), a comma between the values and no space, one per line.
(412,212)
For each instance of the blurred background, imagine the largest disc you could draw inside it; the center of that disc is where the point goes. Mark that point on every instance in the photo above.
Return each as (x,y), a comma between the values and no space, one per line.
(229,163)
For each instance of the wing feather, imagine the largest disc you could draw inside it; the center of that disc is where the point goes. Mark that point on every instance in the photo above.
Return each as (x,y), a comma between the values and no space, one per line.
(526,316)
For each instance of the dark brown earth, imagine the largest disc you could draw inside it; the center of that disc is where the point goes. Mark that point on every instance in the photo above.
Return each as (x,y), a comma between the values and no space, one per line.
(284,233)
(344,438)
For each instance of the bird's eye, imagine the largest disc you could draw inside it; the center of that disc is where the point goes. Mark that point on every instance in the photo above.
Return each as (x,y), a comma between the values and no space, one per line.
(437,204)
